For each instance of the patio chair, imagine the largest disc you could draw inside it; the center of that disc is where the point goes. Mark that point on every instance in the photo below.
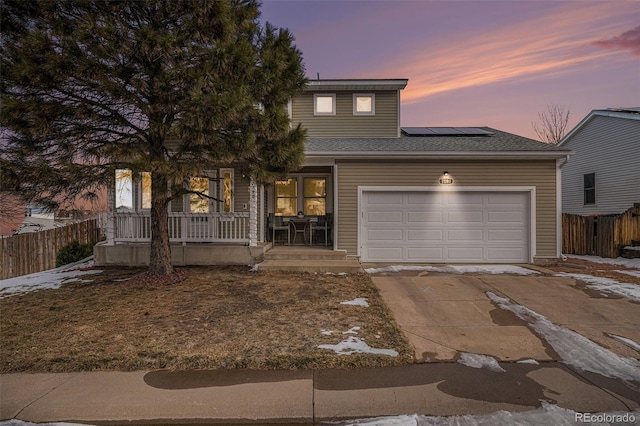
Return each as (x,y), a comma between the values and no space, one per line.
(278,223)
(324,224)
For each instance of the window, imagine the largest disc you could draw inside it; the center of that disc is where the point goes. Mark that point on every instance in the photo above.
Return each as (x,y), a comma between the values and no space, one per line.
(124,190)
(590,188)
(287,197)
(197,202)
(145,178)
(226,190)
(324,104)
(315,196)
(364,104)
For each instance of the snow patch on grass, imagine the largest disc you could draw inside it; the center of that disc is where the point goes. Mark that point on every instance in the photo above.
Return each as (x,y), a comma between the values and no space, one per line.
(629,263)
(632,273)
(355,345)
(574,349)
(360,301)
(628,290)
(480,361)
(51,279)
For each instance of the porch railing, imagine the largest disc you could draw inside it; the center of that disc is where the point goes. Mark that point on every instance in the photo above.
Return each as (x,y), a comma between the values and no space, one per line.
(184,227)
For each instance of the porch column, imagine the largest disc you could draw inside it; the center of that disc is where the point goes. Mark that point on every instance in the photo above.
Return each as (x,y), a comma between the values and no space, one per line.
(253,212)
(109,231)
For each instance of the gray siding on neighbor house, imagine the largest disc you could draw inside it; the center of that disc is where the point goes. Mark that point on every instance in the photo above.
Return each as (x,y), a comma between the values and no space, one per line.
(344,124)
(610,148)
(541,174)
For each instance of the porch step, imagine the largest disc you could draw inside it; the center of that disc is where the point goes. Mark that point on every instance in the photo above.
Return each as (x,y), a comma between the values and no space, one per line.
(297,253)
(317,266)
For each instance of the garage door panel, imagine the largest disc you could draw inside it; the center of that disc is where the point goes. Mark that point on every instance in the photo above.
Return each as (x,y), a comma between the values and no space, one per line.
(513,254)
(388,253)
(465,217)
(394,235)
(385,198)
(425,217)
(418,254)
(422,226)
(504,216)
(464,235)
(506,235)
(432,235)
(425,198)
(383,216)
(464,254)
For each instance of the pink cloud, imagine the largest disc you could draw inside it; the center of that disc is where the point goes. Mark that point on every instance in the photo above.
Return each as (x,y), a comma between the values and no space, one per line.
(629,40)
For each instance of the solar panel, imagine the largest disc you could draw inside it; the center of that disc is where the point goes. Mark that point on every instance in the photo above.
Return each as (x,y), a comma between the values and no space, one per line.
(445,131)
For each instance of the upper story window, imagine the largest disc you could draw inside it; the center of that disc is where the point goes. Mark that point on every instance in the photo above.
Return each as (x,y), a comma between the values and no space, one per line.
(364,104)
(590,188)
(324,104)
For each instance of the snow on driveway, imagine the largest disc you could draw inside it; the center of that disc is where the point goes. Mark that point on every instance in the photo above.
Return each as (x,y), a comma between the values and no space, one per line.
(547,414)
(457,269)
(480,361)
(574,349)
(628,290)
(52,278)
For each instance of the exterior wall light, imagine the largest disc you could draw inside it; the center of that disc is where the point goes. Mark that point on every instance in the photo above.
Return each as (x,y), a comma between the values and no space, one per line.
(446,179)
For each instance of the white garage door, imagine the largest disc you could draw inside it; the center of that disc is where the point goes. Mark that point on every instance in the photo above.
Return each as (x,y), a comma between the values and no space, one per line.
(413,226)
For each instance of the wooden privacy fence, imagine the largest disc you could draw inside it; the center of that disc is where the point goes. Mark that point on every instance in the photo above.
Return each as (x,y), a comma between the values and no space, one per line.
(603,236)
(34,252)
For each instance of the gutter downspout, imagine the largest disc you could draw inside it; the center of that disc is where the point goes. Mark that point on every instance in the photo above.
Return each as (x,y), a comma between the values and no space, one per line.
(559,235)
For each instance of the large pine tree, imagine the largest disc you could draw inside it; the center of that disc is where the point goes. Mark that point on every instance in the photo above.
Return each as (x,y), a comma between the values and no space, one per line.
(166,86)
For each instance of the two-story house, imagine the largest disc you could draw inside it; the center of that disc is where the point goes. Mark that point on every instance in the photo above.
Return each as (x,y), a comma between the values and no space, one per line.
(603,176)
(368,187)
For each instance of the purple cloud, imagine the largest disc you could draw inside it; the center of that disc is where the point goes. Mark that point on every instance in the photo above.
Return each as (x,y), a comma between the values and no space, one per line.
(629,40)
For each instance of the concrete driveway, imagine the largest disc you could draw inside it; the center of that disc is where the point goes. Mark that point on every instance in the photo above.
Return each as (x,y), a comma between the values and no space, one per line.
(446,313)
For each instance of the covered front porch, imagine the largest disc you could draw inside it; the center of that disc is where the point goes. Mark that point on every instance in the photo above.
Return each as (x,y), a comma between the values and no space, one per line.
(252,218)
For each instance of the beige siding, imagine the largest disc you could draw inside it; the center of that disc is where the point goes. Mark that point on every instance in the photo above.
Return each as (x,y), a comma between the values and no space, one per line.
(541,174)
(344,124)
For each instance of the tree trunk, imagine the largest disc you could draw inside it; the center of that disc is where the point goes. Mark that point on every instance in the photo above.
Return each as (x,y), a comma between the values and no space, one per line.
(160,261)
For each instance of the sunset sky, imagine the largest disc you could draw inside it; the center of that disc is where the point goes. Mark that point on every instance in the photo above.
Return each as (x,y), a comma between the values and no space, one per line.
(475,63)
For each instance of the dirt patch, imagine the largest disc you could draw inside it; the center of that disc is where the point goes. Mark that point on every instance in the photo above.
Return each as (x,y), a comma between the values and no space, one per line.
(217,317)
(603,270)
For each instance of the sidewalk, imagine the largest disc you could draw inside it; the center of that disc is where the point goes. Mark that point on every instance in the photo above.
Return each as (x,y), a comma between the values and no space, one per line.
(304,397)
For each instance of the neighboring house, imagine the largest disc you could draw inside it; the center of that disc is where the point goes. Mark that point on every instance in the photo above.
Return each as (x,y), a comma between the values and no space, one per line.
(603,177)
(429,195)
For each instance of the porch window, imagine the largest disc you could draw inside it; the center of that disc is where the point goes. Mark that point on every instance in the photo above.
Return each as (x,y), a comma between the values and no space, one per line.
(197,202)
(227,190)
(315,196)
(590,188)
(145,178)
(124,190)
(287,197)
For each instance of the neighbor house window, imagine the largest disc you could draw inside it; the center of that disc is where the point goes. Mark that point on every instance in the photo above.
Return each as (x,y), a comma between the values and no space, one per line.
(199,203)
(364,104)
(124,189)
(226,190)
(315,196)
(324,104)
(145,181)
(287,197)
(590,188)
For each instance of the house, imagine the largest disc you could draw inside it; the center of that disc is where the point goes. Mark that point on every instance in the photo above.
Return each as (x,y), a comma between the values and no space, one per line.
(376,191)
(603,177)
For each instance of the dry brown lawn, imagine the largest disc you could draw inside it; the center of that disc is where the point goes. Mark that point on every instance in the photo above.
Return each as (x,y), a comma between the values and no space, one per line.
(218,317)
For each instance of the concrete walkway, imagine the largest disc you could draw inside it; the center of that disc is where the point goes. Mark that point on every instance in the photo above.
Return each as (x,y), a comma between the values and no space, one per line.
(303,397)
